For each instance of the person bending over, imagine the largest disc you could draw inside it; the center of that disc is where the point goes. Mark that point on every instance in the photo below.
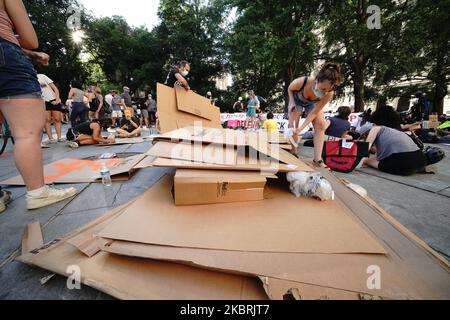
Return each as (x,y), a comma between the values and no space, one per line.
(339,126)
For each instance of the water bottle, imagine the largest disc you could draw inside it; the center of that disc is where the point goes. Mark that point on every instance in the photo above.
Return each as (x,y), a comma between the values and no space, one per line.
(106,176)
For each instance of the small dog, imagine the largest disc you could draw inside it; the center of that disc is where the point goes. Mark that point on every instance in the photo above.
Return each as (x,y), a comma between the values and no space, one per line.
(304,184)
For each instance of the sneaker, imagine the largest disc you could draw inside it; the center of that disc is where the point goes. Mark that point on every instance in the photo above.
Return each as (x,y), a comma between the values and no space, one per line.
(73,145)
(50,196)
(44,146)
(5,198)
(61,140)
(52,141)
(431,169)
(111,130)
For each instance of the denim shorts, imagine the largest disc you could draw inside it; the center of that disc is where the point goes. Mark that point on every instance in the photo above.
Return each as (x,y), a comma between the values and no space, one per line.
(18,79)
(302,106)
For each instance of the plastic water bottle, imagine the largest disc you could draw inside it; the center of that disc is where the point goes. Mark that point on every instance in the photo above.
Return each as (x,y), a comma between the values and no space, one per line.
(106,176)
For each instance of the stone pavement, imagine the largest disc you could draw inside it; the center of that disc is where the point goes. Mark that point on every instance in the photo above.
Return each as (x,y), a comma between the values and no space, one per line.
(421,203)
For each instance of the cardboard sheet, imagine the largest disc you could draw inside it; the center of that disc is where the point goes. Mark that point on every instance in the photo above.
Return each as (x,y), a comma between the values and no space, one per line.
(68,171)
(170,118)
(195,152)
(32,237)
(122,141)
(193,103)
(147,162)
(137,279)
(281,224)
(197,187)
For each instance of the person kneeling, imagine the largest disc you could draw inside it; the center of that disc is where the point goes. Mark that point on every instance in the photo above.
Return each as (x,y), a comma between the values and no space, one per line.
(89,133)
(129,127)
(396,153)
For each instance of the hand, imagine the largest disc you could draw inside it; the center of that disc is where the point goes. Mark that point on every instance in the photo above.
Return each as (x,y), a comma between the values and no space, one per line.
(56,102)
(96,115)
(41,58)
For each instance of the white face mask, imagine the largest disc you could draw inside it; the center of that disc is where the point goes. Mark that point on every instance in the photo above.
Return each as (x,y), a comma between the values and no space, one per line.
(184,73)
(319,93)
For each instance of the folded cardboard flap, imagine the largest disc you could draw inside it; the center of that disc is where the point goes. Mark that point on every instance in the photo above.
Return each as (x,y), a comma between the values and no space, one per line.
(32,237)
(196,187)
(170,117)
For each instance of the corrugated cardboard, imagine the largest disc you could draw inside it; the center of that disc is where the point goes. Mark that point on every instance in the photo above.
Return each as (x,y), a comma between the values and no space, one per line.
(281,224)
(192,103)
(69,171)
(171,118)
(196,187)
(195,152)
(147,162)
(122,141)
(137,279)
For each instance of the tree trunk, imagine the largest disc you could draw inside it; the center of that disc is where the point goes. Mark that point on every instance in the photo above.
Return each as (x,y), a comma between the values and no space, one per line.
(440,94)
(288,78)
(358,85)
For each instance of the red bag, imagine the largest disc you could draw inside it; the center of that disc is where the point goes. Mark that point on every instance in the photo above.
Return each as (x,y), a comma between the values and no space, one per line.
(344,156)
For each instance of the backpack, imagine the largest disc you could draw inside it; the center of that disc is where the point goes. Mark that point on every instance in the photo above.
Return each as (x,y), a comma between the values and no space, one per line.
(344,156)
(106,107)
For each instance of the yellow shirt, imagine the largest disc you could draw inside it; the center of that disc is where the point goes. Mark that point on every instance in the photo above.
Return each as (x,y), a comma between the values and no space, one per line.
(271,125)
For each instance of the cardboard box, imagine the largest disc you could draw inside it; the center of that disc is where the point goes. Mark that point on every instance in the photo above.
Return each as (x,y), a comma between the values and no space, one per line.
(197,187)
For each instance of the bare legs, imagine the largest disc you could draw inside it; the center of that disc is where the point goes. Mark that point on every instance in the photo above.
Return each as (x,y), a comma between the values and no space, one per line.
(26,118)
(56,115)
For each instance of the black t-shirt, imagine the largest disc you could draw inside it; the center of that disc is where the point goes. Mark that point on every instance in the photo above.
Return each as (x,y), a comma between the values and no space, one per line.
(84,128)
(172,80)
(129,127)
(338,127)
(141,104)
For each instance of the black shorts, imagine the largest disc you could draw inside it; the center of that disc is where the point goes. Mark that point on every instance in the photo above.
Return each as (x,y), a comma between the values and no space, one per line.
(50,107)
(404,164)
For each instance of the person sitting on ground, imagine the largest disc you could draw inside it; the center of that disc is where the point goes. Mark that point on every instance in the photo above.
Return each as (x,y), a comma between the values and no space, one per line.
(270,125)
(89,133)
(178,76)
(396,153)
(339,126)
(129,127)
(388,117)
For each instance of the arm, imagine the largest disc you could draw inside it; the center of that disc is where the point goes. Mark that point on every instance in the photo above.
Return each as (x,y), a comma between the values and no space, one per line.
(38,57)
(97,134)
(134,124)
(19,17)
(100,105)
(57,94)
(373,135)
(183,81)
(315,112)
(71,94)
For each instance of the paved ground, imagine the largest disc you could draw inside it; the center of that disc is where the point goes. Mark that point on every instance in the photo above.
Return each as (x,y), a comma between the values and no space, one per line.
(421,203)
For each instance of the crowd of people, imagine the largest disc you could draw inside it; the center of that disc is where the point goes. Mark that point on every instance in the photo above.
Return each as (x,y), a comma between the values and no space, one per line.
(31,103)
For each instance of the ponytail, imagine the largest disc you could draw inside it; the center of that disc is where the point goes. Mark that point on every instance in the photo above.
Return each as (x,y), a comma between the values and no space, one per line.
(331,72)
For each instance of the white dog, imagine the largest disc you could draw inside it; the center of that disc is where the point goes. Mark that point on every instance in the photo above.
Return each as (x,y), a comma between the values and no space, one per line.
(310,185)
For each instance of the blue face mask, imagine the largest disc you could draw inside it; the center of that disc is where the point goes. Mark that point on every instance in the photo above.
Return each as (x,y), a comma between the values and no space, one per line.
(184,73)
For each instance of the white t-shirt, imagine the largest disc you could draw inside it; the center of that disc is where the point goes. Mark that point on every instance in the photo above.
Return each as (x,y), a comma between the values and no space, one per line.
(109,99)
(47,92)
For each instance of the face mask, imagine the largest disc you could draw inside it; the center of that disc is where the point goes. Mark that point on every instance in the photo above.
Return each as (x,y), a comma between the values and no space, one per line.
(184,73)
(319,93)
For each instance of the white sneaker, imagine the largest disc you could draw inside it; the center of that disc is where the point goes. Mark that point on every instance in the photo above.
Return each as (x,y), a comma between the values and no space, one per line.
(44,146)
(111,130)
(73,145)
(62,140)
(50,196)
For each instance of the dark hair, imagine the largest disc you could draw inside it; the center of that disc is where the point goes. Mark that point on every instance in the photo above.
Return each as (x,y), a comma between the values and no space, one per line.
(270,116)
(386,116)
(183,63)
(105,122)
(330,72)
(76,84)
(344,113)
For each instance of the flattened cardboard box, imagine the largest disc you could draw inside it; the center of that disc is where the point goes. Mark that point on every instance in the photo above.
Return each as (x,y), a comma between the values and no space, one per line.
(196,187)
(171,118)
(82,171)
(281,224)
(137,279)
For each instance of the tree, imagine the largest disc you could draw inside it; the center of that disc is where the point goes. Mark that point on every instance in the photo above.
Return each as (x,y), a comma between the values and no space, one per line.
(49,18)
(272,43)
